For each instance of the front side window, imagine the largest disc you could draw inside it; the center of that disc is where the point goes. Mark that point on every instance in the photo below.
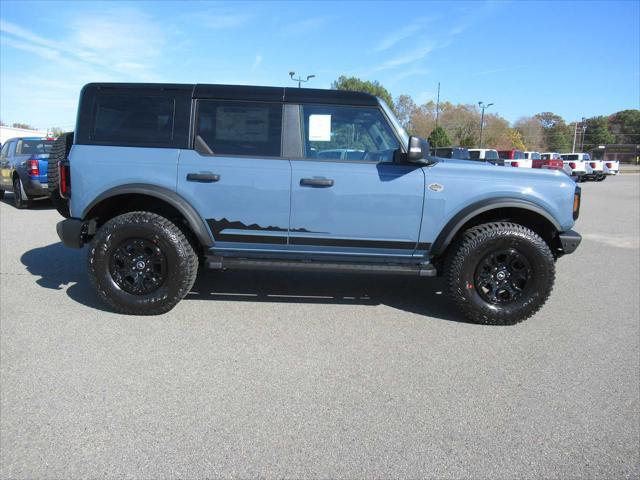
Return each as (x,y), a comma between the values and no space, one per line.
(491,155)
(135,120)
(350,133)
(475,155)
(240,128)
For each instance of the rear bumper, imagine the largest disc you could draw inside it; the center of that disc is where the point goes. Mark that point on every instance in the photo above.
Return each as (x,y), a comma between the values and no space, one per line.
(569,241)
(34,187)
(72,232)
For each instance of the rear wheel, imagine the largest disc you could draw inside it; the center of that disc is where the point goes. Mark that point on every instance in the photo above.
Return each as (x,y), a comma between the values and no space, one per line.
(59,152)
(500,273)
(600,178)
(141,263)
(20,198)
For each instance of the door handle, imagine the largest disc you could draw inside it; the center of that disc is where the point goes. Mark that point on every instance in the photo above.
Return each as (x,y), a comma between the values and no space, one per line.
(203,177)
(316,182)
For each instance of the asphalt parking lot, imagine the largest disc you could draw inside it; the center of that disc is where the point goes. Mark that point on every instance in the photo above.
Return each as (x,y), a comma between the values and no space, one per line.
(305,375)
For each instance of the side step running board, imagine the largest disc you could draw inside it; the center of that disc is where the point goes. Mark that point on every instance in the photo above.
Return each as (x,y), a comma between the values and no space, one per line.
(222,263)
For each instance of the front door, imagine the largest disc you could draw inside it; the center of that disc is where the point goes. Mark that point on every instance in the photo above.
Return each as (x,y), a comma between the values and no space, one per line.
(348,197)
(5,165)
(242,185)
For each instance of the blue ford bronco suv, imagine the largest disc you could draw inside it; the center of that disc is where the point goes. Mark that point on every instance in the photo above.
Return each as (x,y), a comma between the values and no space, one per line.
(161,178)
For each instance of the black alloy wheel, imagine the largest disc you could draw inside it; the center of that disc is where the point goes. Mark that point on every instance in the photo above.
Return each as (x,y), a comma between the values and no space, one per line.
(138,266)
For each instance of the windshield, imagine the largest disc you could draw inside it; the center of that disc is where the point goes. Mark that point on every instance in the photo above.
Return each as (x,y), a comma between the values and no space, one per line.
(396,124)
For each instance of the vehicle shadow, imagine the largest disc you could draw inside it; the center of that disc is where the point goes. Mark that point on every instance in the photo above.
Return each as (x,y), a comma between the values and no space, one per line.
(57,266)
(37,204)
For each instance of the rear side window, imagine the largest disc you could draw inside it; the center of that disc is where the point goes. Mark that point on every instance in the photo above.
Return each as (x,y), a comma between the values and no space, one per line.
(240,128)
(145,120)
(134,115)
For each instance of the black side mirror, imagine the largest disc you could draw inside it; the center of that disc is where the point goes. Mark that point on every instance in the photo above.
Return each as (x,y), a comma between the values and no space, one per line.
(418,149)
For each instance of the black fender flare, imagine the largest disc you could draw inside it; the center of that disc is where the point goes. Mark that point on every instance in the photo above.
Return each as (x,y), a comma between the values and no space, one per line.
(463,216)
(195,221)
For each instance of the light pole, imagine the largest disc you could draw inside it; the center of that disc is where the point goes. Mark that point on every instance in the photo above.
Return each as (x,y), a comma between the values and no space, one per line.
(300,79)
(482,106)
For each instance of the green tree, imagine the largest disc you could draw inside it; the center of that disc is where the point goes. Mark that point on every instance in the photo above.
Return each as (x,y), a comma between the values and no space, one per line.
(515,137)
(357,85)
(405,109)
(558,136)
(439,138)
(625,126)
(597,133)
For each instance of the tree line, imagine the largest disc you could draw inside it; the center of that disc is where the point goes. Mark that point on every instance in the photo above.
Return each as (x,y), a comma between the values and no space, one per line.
(459,124)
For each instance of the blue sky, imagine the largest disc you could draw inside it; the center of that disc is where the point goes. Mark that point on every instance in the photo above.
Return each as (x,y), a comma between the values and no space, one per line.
(573,58)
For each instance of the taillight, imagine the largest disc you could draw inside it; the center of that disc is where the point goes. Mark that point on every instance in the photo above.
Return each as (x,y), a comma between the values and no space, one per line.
(609,165)
(515,164)
(593,164)
(572,165)
(65,179)
(33,168)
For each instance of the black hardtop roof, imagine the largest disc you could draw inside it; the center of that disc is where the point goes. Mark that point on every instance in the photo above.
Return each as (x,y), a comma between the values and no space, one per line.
(248,92)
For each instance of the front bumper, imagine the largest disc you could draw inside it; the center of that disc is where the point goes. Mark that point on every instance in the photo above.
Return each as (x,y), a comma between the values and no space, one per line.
(73,232)
(569,241)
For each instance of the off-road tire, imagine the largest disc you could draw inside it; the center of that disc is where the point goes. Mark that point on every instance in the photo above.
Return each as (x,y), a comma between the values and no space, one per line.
(468,251)
(182,263)
(18,201)
(59,152)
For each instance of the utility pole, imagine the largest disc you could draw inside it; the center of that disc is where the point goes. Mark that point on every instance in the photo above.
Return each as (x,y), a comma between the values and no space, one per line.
(482,106)
(438,105)
(300,79)
(575,134)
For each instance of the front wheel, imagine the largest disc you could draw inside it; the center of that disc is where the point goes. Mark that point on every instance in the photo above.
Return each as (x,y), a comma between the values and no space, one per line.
(500,273)
(600,178)
(141,263)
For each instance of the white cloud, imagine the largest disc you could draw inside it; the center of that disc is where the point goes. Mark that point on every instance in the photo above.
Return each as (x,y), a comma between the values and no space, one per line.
(256,63)
(398,35)
(406,58)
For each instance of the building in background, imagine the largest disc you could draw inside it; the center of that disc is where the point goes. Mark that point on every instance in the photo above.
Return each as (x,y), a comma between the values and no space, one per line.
(624,153)
(11,132)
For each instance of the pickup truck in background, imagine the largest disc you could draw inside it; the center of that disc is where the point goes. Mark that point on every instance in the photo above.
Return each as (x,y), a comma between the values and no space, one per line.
(514,158)
(594,169)
(537,161)
(460,153)
(487,154)
(555,161)
(611,167)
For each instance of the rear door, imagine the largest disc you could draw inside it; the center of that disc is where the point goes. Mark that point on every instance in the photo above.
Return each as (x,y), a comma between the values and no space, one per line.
(347,195)
(241,187)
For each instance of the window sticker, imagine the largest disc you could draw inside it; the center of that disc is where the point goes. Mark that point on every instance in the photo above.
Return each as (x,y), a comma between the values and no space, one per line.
(319,128)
